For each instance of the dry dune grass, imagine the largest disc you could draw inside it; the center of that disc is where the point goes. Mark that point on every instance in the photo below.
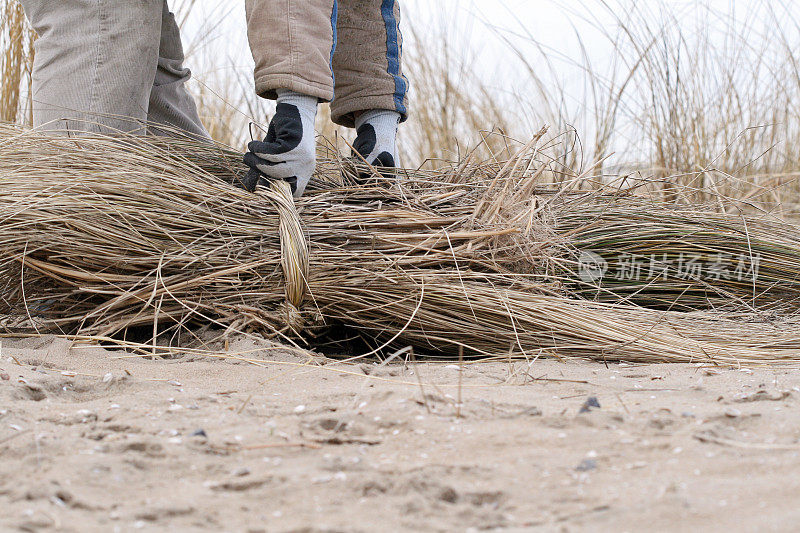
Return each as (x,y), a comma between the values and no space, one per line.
(684,257)
(698,99)
(452,262)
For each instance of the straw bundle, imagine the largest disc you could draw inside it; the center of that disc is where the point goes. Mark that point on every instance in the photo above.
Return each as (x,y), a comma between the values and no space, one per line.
(102,234)
(682,257)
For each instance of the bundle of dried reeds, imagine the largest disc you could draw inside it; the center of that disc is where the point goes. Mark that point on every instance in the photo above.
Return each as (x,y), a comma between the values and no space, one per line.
(101,234)
(670,256)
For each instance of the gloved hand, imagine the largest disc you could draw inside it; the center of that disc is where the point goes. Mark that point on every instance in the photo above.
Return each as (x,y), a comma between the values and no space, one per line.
(376,139)
(289,150)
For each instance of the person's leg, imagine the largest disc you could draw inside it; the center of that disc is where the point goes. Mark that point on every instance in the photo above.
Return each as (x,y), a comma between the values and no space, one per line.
(368,61)
(292,43)
(95,63)
(170,103)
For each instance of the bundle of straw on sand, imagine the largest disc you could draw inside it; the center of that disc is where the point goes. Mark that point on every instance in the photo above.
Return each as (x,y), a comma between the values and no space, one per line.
(102,234)
(681,257)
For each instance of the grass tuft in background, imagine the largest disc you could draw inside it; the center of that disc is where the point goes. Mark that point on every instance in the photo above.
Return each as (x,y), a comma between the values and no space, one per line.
(16,61)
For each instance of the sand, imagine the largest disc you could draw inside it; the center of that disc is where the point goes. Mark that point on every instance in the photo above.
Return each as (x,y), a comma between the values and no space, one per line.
(95,440)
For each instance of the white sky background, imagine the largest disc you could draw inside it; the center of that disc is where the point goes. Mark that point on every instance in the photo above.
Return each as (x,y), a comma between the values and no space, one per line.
(474,28)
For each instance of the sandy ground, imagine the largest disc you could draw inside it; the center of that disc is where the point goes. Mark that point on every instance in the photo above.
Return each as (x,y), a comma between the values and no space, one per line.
(92,440)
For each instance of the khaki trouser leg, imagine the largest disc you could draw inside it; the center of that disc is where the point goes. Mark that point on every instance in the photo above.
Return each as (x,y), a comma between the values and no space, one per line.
(170,102)
(292,43)
(368,60)
(96,66)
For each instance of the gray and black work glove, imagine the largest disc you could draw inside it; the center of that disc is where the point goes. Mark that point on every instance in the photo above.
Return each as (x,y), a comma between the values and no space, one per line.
(376,137)
(289,150)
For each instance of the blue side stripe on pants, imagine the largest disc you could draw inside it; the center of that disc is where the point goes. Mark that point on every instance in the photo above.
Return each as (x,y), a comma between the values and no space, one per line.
(393,54)
(334,21)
